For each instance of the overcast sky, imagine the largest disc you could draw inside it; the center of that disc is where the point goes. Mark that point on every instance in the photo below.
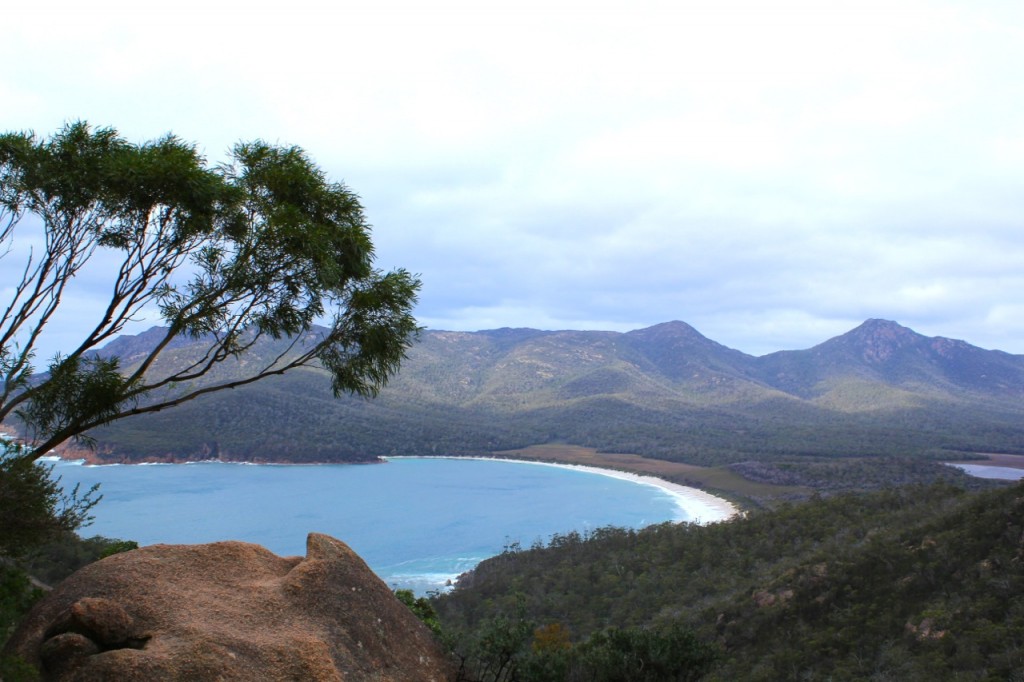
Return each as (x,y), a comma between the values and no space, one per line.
(773,173)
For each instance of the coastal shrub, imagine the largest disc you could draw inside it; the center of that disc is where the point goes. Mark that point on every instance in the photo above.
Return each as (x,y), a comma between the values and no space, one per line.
(908,583)
(422,608)
(17,595)
(509,647)
(33,506)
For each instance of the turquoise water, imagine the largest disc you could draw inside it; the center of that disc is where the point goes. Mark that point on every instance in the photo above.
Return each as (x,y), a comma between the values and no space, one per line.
(416,522)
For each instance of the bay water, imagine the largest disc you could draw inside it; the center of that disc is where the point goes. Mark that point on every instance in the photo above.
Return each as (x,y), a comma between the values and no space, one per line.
(418,523)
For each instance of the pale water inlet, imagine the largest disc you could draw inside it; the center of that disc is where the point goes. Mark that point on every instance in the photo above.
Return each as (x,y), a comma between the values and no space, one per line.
(987,471)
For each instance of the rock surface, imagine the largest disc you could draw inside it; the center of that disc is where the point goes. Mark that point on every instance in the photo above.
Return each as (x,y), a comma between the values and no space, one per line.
(228,611)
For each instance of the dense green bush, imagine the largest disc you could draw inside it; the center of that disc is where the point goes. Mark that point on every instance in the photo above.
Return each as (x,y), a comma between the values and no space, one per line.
(908,583)
(33,506)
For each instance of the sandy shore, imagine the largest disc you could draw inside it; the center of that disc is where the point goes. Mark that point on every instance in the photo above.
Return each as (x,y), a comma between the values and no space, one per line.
(695,505)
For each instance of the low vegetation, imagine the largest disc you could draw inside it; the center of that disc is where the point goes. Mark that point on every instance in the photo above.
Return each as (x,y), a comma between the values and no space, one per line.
(39,546)
(908,583)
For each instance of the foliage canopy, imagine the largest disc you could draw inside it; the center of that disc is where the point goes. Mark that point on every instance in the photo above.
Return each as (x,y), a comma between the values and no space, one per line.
(33,507)
(904,584)
(260,246)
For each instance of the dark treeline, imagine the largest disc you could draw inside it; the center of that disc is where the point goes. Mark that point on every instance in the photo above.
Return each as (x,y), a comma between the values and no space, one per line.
(293,418)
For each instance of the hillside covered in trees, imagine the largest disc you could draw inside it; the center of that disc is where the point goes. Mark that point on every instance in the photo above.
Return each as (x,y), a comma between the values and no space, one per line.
(876,406)
(664,392)
(912,583)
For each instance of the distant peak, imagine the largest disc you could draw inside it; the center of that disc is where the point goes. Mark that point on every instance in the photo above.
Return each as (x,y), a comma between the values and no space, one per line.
(876,323)
(674,326)
(885,329)
(878,340)
(677,334)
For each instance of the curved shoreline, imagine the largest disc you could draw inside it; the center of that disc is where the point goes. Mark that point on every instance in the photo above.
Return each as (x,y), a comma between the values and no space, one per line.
(695,505)
(698,506)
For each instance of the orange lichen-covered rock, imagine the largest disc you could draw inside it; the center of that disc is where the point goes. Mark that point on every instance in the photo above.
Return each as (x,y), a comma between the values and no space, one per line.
(228,611)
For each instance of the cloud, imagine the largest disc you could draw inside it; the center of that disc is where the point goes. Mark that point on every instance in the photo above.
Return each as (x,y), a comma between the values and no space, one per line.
(772,173)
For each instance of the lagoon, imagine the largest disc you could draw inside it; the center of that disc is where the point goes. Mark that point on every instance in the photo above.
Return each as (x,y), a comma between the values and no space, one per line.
(994,472)
(417,522)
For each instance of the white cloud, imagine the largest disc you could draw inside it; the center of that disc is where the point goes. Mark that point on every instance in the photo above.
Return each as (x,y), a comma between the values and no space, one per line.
(771,173)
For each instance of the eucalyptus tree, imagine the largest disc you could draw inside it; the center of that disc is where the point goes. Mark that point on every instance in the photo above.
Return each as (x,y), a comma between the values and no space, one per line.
(263,245)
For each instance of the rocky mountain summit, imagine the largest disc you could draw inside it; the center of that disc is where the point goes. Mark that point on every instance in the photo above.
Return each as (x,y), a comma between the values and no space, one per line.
(228,611)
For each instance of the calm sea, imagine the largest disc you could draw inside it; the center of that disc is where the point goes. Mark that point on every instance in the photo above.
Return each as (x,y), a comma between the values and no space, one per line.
(416,522)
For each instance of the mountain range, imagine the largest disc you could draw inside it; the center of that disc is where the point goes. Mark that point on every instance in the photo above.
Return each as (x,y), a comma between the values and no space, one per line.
(668,392)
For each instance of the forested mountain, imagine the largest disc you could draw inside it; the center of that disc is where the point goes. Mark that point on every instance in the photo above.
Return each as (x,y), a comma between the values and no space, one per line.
(667,392)
(912,583)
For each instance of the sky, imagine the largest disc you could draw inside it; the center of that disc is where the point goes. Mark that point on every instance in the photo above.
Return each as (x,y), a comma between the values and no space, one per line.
(771,172)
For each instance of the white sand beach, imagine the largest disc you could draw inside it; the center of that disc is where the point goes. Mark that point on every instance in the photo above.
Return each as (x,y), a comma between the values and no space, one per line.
(696,506)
